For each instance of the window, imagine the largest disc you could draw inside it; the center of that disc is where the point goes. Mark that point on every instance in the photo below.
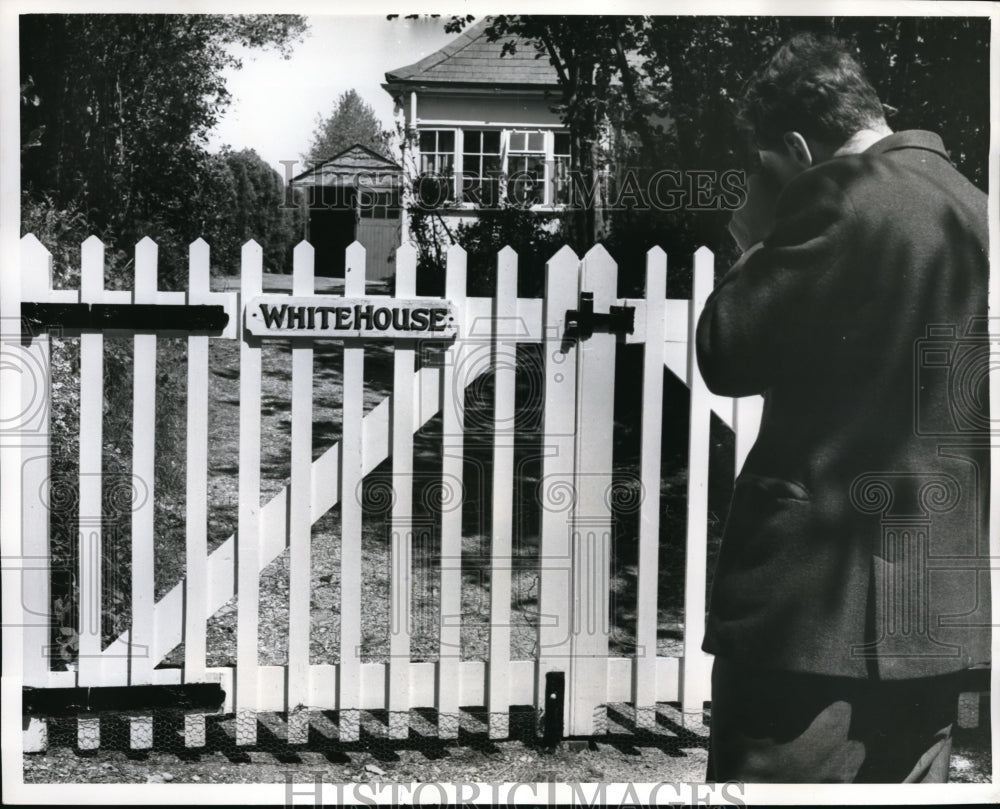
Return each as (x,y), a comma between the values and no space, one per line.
(481,167)
(526,168)
(560,161)
(437,165)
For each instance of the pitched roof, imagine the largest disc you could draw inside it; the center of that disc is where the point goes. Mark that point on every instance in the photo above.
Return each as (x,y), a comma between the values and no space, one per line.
(472,59)
(342,168)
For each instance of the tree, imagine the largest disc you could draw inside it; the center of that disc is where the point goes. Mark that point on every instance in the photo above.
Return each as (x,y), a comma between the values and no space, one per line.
(933,73)
(666,87)
(352,121)
(118,108)
(258,213)
(599,83)
(242,196)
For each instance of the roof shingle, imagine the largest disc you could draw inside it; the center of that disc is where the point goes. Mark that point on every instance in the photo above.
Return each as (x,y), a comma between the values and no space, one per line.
(472,59)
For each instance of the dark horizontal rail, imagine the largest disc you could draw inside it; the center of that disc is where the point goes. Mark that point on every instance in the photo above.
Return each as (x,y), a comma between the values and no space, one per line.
(39,702)
(124,316)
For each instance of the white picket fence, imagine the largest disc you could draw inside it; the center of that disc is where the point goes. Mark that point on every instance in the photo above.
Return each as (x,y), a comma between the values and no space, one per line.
(574,541)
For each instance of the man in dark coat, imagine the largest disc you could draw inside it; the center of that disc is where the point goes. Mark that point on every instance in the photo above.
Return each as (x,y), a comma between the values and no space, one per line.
(852,582)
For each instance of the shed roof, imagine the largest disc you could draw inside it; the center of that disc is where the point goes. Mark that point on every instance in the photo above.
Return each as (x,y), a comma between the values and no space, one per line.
(343,168)
(471,59)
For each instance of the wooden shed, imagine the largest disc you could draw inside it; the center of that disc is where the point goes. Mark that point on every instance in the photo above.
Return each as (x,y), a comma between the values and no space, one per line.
(354,195)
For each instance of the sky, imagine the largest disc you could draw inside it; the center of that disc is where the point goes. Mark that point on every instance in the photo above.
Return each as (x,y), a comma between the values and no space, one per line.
(275,101)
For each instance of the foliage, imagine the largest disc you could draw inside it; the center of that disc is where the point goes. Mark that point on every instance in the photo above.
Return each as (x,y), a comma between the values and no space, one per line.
(62,231)
(116,110)
(352,121)
(599,82)
(666,87)
(252,193)
(534,237)
(935,72)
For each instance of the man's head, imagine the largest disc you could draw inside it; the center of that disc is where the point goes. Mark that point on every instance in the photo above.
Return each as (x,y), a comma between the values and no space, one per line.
(807,104)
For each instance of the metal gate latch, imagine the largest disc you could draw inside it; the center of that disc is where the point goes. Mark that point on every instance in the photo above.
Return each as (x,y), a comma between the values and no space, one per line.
(583,322)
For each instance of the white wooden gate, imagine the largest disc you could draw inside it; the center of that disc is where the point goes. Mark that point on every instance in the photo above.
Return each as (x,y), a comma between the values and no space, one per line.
(575,492)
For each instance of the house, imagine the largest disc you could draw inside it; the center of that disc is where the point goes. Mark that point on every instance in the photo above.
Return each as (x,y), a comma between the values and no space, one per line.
(480,129)
(354,195)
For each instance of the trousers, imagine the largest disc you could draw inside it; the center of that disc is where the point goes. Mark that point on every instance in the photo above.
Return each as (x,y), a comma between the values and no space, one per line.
(785,727)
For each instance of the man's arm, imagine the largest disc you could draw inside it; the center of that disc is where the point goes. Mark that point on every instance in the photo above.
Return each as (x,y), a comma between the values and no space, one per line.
(767,315)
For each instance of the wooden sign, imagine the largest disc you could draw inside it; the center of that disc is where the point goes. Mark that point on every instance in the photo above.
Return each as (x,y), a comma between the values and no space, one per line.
(369,318)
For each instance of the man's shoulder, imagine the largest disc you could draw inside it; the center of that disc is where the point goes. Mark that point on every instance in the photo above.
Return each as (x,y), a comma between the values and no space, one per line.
(823,184)
(833,180)
(879,181)
(820,194)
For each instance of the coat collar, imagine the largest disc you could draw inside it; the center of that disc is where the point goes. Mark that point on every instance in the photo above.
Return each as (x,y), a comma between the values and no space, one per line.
(909,139)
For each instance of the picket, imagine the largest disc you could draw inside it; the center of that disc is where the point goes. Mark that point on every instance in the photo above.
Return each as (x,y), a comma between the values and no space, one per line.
(300,512)
(248,518)
(556,491)
(453,383)
(144,468)
(351,478)
(143,493)
(591,558)
(574,491)
(196,494)
(401,529)
(644,685)
(504,361)
(90,669)
(694,679)
(91,414)
(34,359)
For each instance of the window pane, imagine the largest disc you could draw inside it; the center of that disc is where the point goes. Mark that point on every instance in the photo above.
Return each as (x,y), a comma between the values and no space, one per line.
(517,140)
(491,142)
(561,146)
(478,191)
(473,140)
(446,141)
(524,192)
(470,164)
(536,142)
(428,141)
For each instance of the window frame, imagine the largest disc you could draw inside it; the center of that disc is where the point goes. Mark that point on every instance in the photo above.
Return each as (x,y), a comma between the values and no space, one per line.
(526,154)
(456,134)
(481,155)
(456,201)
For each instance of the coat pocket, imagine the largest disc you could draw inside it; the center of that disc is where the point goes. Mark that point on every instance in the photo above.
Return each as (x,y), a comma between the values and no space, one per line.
(767,520)
(779,488)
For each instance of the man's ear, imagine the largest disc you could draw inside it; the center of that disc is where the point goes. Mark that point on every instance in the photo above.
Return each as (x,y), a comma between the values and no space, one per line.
(798,149)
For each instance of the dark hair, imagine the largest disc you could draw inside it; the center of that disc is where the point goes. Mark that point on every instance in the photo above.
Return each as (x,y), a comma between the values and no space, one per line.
(814,86)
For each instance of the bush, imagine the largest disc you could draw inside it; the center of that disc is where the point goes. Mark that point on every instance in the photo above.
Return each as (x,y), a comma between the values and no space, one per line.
(534,236)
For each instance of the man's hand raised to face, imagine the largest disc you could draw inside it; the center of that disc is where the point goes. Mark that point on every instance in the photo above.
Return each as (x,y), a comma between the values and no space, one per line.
(754,221)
